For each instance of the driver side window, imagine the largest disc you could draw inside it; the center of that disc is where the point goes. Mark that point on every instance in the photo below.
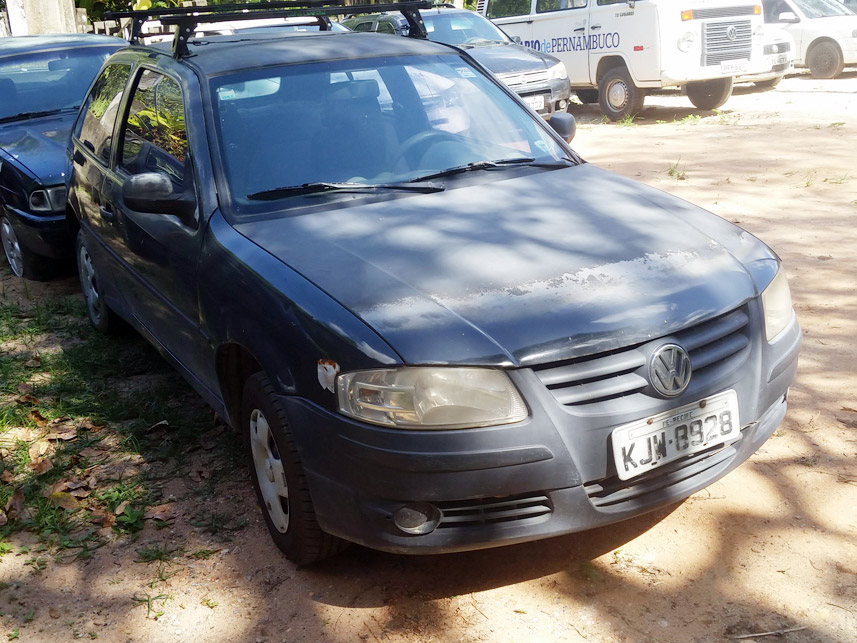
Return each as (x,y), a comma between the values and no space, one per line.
(155,136)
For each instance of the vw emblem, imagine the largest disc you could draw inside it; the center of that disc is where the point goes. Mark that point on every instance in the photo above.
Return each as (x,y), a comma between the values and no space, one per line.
(732,32)
(669,370)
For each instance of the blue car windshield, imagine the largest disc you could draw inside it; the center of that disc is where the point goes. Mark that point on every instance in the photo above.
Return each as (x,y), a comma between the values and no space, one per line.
(823,8)
(464,28)
(44,81)
(369,122)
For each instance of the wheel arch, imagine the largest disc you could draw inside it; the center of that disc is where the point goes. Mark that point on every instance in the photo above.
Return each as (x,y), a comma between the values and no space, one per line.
(607,63)
(234,364)
(819,40)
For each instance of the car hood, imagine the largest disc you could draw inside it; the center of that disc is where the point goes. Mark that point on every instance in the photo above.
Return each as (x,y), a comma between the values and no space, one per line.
(526,270)
(39,145)
(509,58)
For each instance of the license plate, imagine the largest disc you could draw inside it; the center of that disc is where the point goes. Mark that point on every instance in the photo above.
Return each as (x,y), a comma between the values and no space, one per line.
(734,66)
(537,102)
(653,442)
(781,59)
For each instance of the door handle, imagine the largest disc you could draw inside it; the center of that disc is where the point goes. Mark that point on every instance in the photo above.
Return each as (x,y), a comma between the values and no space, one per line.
(106,213)
(593,27)
(580,29)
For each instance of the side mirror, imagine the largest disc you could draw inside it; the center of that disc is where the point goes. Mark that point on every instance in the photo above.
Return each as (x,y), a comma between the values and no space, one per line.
(564,125)
(517,40)
(788,16)
(154,192)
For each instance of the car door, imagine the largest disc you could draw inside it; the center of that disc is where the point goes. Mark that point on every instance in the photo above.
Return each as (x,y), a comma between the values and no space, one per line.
(618,29)
(158,253)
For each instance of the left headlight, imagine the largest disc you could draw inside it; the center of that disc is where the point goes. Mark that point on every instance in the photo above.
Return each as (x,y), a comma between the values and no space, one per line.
(431,397)
(48,200)
(777,303)
(558,71)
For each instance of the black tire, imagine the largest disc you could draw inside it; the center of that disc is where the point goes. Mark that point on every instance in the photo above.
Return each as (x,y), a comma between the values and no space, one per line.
(709,94)
(587,96)
(768,84)
(100,315)
(282,490)
(825,60)
(618,96)
(22,261)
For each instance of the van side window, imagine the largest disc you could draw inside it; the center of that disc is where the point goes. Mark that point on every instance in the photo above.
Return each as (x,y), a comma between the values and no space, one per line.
(504,8)
(601,3)
(155,138)
(101,108)
(546,6)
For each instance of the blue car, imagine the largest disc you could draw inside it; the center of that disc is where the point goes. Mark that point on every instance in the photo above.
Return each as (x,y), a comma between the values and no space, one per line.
(42,82)
(435,325)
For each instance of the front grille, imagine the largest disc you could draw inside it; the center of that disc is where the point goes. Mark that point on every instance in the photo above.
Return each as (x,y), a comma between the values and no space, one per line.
(717,46)
(722,343)
(486,511)
(522,82)
(724,12)
(623,495)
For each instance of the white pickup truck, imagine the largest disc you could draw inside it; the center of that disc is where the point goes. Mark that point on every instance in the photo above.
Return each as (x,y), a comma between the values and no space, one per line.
(617,50)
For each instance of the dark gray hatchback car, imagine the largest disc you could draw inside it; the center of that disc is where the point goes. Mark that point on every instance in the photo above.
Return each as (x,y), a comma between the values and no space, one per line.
(436,326)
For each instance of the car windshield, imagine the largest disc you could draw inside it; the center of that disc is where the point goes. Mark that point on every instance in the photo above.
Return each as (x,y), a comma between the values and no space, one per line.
(463,28)
(386,123)
(823,8)
(47,81)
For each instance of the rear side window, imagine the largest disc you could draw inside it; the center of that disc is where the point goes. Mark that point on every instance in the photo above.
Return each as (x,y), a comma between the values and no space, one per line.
(155,138)
(504,8)
(546,6)
(101,109)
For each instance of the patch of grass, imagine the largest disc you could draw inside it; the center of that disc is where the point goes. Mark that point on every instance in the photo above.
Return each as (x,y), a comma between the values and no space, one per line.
(38,563)
(691,119)
(152,610)
(218,524)
(210,604)
(157,552)
(839,180)
(677,173)
(627,121)
(204,554)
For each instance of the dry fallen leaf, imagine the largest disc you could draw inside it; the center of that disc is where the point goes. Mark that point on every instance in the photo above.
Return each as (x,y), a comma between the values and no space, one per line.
(64,434)
(87,425)
(41,466)
(7,476)
(25,388)
(102,518)
(92,452)
(54,612)
(65,501)
(38,449)
(198,474)
(37,418)
(34,362)
(3,518)
(80,493)
(163,512)
(29,399)
(15,503)
(120,509)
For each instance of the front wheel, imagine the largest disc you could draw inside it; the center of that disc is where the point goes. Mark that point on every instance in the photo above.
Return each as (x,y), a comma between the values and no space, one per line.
(23,262)
(618,96)
(709,94)
(825,60)
(100,315)
(279,479)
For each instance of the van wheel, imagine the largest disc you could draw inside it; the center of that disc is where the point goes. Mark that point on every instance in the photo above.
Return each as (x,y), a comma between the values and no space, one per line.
(825,60)
(23,262)
(709,94)
(279,478)
(587,96)
(618,96)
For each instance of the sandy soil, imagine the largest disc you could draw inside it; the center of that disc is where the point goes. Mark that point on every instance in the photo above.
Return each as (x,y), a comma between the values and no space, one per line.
(770,547)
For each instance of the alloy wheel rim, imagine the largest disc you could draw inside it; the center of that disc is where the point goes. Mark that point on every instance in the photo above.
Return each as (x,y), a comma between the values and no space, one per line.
(269,471)
(89,284)
(12,247)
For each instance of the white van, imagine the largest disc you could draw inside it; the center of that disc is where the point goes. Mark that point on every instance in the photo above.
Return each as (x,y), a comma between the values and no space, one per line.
(616,50)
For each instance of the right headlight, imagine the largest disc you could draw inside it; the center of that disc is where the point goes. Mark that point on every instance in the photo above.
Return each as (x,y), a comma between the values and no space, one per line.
(686,41)
(427,397)
(48,200)
(558,71)
(777,303)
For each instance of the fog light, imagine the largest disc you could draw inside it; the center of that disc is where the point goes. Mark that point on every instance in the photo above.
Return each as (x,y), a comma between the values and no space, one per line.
(417,518)
(562,105)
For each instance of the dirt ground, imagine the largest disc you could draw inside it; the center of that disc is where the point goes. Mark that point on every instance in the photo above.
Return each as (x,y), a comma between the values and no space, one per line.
(771,547)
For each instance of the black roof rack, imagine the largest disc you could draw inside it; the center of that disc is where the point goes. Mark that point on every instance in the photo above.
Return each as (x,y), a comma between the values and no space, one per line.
(186,19)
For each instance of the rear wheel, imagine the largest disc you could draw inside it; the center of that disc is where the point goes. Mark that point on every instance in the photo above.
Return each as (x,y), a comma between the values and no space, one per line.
(279,478)
(23,262)
(618,96)
(825,60)
(709,94)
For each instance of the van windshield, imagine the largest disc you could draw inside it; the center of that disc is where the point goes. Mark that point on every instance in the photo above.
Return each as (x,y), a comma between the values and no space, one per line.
(369,122)
(823,8)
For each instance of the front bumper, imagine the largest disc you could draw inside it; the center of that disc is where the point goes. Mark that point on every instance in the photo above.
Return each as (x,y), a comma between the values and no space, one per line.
(549,475)
(47,236)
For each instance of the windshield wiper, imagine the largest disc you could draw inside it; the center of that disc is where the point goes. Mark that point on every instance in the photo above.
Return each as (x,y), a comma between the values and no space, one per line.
(331,186)
(492,165)
(47,112)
